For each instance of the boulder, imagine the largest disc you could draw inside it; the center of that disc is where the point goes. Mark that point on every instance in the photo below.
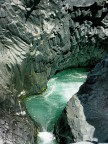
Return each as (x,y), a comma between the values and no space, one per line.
(85,117)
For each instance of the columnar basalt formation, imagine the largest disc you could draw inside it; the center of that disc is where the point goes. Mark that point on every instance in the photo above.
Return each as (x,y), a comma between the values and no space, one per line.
(40,37)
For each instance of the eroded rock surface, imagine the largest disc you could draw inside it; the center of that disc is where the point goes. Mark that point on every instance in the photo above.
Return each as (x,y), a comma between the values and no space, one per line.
(40,37)
(86,114)
(15,130)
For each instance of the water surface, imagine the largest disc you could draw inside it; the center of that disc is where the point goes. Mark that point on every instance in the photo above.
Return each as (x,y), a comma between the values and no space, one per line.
(46,108)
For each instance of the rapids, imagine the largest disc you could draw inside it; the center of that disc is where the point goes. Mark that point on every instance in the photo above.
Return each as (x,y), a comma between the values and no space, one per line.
(46,108)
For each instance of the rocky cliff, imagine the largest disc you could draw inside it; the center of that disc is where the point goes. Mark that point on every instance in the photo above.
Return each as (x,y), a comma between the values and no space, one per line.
(40,37)
(86,115)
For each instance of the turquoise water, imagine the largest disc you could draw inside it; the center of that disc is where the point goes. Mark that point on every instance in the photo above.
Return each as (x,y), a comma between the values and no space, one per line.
(46,108)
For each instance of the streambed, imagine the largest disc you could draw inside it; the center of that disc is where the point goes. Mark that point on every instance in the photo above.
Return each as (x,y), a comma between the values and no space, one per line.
(46,108)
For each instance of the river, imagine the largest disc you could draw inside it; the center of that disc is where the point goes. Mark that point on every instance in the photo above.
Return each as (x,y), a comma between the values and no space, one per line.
(46,108)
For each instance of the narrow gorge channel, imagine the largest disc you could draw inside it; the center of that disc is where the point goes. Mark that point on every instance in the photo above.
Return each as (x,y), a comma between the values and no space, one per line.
(46,108)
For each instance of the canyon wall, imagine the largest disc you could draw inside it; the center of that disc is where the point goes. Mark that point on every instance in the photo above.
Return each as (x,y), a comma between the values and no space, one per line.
(41,37)
(85,117)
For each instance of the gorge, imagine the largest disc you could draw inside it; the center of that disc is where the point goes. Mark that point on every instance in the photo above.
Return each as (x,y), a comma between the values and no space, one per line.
(85,115)
(45,109)
(39,38)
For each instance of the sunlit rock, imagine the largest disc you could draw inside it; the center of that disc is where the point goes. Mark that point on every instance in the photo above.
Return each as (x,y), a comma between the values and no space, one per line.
(38,38)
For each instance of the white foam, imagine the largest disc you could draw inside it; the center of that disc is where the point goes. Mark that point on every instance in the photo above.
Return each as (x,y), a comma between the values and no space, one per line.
(83,142)
(45,138)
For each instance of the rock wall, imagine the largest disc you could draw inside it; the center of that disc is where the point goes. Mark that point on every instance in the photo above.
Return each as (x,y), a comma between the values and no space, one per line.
(38,38)
(15,129)
(86,114)
(41,37)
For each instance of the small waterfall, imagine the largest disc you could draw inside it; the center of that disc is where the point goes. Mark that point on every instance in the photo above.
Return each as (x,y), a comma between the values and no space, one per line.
(46,138)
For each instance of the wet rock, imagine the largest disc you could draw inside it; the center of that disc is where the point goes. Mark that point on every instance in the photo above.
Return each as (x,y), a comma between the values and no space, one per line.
(85,115)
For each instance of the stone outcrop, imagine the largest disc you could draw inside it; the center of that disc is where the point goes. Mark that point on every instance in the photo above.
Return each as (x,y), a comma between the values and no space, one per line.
(40,37)
(15,129)
(85,117)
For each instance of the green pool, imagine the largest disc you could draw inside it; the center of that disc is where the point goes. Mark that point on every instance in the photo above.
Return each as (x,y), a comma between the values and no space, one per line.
(46,108)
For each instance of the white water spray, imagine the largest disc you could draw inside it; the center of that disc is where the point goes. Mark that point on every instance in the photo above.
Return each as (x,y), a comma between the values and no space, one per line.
(46,138)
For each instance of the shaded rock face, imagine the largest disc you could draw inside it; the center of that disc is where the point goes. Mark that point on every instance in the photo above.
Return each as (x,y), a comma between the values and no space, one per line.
(38,38)
(86,114)
(15,130)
